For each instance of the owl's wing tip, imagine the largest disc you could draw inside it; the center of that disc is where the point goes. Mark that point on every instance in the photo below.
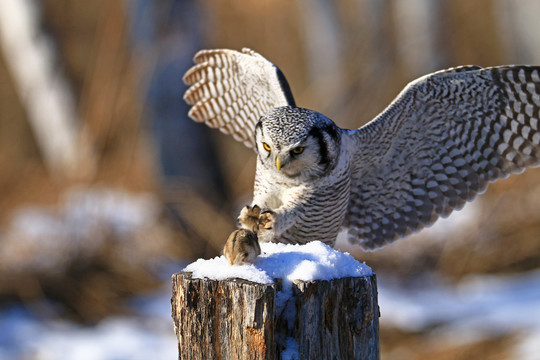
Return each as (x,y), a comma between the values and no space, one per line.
(229,83)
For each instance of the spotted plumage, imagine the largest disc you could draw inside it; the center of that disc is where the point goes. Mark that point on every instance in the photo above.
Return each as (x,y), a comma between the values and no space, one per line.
(436,146)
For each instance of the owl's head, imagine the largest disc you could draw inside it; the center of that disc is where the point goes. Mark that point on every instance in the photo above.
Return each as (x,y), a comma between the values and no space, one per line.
(297,142)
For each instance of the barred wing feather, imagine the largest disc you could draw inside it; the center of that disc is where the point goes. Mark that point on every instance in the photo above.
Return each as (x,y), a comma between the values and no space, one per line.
(443,139)
(230,90)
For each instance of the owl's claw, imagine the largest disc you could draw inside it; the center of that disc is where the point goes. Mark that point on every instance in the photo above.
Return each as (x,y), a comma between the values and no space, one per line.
(266,220)
(249,217)
(261,222)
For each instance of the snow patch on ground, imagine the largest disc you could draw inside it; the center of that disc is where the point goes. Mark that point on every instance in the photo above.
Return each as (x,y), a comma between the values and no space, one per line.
(49,239)
(148,334)
(479,307)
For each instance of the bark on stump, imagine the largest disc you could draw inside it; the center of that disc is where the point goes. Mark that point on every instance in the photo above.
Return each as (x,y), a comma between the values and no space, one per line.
(239,319)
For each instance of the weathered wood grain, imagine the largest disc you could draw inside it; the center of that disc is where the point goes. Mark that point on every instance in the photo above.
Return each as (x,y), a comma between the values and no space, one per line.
(238,319)
(338,319)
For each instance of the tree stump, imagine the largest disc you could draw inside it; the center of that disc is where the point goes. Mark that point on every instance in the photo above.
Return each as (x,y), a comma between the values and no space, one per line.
(239,319)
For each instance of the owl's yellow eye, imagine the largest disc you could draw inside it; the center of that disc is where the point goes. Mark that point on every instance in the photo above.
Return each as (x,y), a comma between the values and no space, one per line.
(298,150)
(266,146)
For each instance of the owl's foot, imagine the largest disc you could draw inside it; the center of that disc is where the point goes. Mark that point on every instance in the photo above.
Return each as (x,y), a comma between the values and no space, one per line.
(267,223)
(266,220)
(249,217)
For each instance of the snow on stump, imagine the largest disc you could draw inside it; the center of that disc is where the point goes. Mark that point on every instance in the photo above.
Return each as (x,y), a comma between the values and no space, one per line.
(296,302)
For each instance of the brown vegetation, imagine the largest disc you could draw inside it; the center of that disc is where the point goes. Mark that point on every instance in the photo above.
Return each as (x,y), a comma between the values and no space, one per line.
(94,51)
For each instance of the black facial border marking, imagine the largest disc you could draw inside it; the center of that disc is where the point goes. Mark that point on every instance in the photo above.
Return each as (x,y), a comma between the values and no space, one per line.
(318,133)
(323,149)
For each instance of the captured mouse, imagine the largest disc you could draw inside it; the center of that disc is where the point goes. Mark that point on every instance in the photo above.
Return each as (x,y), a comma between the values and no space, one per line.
(242,246)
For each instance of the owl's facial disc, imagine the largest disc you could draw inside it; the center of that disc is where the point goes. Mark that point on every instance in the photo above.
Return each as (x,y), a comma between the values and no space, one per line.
(292,160)
(293,154)
(296,142)
(301,158)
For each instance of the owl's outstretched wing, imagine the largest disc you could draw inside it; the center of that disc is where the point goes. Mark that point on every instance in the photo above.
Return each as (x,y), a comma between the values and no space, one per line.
(441,141)
(230,90)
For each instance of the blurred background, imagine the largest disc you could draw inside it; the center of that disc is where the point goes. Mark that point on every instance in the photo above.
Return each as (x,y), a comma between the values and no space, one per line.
(107,188)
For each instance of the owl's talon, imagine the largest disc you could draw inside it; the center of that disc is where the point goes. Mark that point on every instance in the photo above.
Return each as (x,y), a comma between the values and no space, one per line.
(249,217)
(266,220)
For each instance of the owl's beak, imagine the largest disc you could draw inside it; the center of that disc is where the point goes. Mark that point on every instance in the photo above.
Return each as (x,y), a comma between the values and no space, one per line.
(278,163)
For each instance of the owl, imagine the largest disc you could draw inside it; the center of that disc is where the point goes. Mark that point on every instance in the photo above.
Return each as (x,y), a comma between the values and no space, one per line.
(435,147)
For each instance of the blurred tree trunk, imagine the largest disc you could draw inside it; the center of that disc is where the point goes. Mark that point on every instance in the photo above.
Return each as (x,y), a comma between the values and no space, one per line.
(418,27)
(166,35)
(44,91)
(519,29)
(323,48)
